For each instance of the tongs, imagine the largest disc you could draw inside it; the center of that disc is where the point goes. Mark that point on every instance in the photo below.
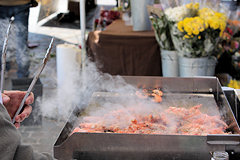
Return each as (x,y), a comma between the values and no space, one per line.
(39,71)
(4,53)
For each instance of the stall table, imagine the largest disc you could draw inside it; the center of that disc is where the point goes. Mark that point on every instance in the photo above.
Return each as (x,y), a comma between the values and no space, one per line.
(119,50)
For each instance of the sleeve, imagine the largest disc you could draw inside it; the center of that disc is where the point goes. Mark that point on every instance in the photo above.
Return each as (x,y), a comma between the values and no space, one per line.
(10,141)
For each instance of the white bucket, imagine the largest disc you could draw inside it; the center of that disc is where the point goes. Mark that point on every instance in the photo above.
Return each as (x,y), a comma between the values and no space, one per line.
(203,66)
(140,17)
(169,63)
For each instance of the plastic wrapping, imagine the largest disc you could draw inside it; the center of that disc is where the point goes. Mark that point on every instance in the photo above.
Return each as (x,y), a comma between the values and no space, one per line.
(161,27)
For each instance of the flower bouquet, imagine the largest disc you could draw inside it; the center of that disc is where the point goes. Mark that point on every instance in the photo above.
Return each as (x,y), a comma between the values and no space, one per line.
(195,29)
(229,49)
(169,56)
(161,28)
(230,40)
(106,18)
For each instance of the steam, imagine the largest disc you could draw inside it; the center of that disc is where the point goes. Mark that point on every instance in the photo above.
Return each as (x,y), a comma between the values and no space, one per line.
(100,93)
(79,89)
(16,48)
(109,97)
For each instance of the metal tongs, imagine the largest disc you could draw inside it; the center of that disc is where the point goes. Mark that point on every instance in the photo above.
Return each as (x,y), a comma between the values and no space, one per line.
(35,79)
(4,49)
(4,52)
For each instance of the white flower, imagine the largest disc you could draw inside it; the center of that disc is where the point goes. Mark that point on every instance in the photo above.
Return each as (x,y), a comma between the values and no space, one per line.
(176,14)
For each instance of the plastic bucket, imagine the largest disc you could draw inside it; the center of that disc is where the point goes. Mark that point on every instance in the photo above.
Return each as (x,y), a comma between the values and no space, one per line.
(140,17)
(169,63)
(189,67)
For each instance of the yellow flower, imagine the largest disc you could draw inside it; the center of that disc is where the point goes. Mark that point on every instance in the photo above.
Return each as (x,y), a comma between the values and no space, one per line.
(196,6)
(192,6)
(192,26)
(214,20)
(189,33)
(222,27)
(188,29)
(206,24)
(213,23)
(180,26)
(189,5)
(234,84)
(195,31)
(205,12)
(186,36)
(201,28)
(221,16)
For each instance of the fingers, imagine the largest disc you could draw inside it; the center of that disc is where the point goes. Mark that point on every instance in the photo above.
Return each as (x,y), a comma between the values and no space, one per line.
(12,101)
(14,92)
(17,125)
(30,99)
(26,112)
(5,99)
(18,96)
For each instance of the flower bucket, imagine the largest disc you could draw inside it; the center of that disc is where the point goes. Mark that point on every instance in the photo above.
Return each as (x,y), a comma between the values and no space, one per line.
(169,63)
(204,66)
(140,17)
(212,61)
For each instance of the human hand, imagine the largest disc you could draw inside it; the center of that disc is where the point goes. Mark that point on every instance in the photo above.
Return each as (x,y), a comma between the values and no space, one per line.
(12,100)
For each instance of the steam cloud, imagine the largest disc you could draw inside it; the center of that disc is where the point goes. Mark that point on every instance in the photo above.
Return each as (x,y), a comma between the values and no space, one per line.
(14,45)
(79,89)
(82,90)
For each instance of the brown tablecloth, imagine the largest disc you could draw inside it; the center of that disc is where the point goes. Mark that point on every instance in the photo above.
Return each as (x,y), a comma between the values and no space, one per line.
(120,51)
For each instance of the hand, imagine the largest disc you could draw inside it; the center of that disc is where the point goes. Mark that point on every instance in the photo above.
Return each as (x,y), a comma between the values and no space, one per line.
(12,100)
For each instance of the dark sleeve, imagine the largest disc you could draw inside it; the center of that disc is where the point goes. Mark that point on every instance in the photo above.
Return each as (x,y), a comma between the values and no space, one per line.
(10,141)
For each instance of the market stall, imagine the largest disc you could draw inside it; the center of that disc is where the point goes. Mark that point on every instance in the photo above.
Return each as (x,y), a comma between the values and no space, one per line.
(171,118)
(119,50)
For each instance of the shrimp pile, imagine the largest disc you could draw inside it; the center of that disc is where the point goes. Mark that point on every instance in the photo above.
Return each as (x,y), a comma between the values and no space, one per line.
(155,94)
(173,120)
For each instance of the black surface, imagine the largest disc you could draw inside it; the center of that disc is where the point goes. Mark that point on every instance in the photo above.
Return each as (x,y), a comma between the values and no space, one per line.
(128,155)
(234,103)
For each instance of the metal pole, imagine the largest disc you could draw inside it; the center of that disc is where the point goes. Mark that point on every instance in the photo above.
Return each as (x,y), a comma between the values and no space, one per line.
(4,53)
(83,30)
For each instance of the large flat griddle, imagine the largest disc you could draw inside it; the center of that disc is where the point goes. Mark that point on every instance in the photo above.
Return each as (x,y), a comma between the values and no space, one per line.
(182,92)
